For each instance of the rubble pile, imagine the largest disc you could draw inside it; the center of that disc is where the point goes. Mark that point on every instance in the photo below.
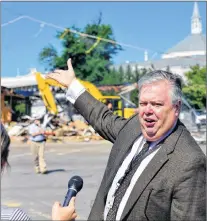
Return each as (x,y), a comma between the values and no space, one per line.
(60,132)
(76,130)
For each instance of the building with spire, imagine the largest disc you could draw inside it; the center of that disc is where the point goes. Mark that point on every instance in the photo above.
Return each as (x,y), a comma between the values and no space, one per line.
(194,44)
(196,25)
(186,53)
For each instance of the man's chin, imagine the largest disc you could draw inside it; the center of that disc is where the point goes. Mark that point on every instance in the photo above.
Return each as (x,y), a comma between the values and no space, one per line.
(149,135)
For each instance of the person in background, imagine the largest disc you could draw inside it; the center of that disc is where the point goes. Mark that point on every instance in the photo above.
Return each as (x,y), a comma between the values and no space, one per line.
(109,105)
(13,213)
(38,140)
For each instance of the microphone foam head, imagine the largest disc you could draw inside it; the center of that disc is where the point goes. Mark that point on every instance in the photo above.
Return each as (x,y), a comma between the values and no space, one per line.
(76,182)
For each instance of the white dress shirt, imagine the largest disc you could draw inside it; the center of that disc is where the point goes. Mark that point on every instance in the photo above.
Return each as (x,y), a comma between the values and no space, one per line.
(73,92)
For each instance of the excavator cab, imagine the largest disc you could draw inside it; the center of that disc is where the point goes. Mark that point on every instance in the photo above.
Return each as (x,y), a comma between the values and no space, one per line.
(120,107)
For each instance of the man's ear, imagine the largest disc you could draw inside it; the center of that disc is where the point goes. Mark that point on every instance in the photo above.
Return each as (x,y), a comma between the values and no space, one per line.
(177,107)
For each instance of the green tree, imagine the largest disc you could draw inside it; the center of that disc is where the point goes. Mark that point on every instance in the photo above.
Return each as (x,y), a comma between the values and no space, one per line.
(91,66)
(113,77)
(195,89)
(121,71)
(129,74)
(137,75)
(48,56)
(21,108)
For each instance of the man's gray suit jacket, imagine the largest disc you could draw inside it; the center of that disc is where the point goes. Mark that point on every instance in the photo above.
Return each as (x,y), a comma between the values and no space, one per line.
(172,186)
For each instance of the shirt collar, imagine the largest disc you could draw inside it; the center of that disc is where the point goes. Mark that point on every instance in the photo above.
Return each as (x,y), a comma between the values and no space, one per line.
(154,143)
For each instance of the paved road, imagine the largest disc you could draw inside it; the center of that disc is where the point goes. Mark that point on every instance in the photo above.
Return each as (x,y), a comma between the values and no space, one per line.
(36,193)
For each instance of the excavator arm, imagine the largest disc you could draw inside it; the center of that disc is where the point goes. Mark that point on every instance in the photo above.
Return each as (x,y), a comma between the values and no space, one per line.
(44,89)
(50,102)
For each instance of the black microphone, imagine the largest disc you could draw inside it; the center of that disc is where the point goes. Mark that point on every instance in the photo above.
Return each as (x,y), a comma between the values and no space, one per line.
(75,184)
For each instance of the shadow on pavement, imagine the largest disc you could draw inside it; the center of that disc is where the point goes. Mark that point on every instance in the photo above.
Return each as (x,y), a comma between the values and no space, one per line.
(56,170)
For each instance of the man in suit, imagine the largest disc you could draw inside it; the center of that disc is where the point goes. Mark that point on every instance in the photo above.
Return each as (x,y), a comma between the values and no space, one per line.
(156,170)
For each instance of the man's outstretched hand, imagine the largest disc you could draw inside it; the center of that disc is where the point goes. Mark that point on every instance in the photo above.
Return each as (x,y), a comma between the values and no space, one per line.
(64,77)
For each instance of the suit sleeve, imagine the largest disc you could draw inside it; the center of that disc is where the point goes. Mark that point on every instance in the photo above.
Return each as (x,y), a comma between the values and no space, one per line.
(99,116)
(189,198)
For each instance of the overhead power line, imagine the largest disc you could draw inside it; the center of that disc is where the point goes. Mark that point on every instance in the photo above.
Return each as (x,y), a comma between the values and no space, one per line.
(44,23)
(75,32)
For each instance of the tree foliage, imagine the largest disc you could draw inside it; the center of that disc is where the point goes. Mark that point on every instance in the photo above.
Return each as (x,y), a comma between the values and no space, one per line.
(113,77)
(195,89)
(20,108)
(91,62)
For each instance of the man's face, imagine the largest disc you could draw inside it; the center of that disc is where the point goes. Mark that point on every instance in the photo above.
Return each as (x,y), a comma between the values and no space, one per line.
(157,114)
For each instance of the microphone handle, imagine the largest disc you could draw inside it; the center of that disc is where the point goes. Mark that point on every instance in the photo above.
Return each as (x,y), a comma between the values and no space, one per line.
(71,193)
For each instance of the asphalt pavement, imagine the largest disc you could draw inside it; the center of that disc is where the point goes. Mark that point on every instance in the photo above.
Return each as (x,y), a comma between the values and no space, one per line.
(36,193)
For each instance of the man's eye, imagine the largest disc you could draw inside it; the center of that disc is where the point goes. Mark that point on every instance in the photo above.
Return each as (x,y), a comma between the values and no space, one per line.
(142,104)
(158,104)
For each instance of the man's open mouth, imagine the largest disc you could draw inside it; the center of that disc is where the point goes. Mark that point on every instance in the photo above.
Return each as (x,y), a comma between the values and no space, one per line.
(149,122)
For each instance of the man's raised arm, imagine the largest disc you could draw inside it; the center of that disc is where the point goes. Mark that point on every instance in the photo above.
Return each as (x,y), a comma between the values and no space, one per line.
(95,112)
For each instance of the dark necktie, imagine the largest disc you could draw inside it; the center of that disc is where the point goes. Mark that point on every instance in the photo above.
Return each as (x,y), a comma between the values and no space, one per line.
(125,181)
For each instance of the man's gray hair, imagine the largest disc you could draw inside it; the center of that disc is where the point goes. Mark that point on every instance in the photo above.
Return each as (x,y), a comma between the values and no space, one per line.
(159,75)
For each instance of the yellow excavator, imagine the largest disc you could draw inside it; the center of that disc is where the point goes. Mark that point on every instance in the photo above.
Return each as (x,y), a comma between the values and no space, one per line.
(50,103)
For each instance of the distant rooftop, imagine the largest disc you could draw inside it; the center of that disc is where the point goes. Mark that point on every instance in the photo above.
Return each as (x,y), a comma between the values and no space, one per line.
(195,42)
(172,62)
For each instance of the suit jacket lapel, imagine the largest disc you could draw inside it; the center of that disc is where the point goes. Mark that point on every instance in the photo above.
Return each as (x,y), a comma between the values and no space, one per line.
(144,179)
(160,158)
(121,147)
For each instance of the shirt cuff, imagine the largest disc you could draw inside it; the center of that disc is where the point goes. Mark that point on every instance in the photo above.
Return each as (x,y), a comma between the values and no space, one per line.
(74,91)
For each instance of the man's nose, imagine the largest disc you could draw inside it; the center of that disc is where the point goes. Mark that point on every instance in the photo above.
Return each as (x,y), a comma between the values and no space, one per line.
(149,109)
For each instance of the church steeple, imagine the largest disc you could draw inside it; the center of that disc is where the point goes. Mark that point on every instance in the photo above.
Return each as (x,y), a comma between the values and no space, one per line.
(196,26)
